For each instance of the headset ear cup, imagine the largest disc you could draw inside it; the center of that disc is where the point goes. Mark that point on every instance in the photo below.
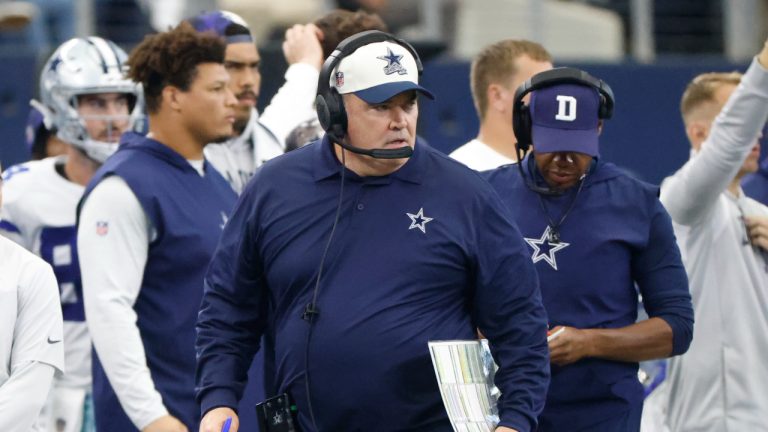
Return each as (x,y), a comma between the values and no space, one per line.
(323,114)
(602,112)
(522,126)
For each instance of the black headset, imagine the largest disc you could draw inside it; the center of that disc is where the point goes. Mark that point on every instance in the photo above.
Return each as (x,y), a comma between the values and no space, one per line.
(521,115)
(329,103)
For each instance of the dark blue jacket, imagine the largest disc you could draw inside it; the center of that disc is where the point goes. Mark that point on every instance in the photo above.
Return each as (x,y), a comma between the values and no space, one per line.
(425,253)
(755,185)
(188,212)
(616,239)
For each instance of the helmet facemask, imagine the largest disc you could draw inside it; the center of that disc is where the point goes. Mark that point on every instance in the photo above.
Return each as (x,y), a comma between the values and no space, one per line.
(91,70)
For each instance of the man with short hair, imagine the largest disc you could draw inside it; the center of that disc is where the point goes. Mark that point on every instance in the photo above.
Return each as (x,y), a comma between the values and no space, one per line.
(496,73)
(353,252)
(719,384)
(148,224)
(260,138)
(89,103)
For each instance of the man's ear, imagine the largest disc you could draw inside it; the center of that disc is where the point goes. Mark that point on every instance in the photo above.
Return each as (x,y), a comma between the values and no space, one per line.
(697,132)
(497,95)
(171,97)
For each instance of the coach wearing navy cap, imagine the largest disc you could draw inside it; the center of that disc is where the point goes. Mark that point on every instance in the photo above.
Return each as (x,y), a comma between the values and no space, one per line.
(595,235)
(353,252)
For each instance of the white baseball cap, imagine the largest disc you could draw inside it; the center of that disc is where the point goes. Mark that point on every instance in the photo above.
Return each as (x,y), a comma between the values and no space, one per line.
(377,72)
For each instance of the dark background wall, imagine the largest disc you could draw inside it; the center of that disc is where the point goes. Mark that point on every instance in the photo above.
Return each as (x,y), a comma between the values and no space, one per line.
(645,135)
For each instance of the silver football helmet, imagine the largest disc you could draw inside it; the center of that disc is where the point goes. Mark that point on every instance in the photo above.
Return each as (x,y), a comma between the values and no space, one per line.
(84,66)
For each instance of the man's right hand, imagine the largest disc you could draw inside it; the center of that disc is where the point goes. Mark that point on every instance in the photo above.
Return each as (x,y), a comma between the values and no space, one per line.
(302,45)
(214,420)
(166,423)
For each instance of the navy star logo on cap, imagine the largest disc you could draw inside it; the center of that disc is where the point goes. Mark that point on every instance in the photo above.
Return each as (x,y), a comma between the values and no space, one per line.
(393,63)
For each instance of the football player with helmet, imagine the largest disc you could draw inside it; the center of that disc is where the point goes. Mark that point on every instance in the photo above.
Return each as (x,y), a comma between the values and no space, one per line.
(87,100)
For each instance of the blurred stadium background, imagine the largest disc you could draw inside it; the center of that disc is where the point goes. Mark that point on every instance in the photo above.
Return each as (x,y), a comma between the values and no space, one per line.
(647,50)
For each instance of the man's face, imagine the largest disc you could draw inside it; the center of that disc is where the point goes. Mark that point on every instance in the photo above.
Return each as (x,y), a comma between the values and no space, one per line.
(562,170)
(242,62)
(208,106)
(105,115)
(388,125)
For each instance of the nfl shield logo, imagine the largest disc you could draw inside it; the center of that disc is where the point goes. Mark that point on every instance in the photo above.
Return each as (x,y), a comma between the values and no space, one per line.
(339,79)
(102,228)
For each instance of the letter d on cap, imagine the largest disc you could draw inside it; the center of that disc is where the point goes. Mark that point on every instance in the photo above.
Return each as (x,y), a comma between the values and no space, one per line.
(566,109)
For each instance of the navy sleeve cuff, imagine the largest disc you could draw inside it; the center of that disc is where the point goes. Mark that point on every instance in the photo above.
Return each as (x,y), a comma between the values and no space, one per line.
(682,333)
(217,398)
(517,421)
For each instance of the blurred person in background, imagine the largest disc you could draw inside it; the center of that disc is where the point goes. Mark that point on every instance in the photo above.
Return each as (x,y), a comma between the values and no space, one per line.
(88,102)
(31,346)
(494,76)
(719,384)
(335,26)
(259,138)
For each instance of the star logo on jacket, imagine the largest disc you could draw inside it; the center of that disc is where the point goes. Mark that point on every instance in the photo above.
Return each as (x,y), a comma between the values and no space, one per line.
(393,63)
(419,221)
(544,249)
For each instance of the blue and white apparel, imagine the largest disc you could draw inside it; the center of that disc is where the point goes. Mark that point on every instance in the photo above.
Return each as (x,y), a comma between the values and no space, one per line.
(480,156)
(616,235)
(238,158)
(410,262)
(143,317)
(719,385)
(31,348)
(39,212)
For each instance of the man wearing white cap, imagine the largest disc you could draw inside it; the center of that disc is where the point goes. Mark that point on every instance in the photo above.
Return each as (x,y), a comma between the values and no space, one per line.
(353,252)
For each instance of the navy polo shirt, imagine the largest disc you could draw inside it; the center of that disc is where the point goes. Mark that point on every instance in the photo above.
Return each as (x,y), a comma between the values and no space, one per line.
(616,239)
(425,253)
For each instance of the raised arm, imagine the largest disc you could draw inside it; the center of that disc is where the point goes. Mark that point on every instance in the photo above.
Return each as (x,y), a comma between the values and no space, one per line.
(294,103)
(691,192)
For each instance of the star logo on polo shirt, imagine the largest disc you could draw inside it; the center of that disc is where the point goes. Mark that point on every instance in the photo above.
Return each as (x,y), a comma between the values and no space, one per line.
(393,63)
(544,249)
(419,221)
